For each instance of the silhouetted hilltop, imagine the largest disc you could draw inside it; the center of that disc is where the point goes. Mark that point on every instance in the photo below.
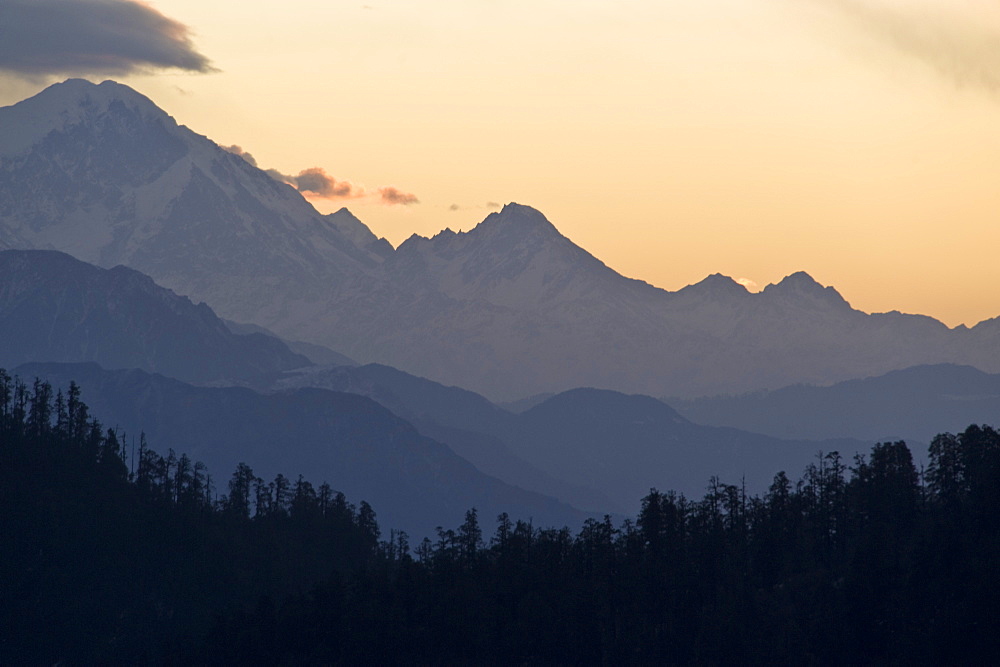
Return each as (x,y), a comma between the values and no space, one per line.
(911,404)
(595,449)
(56,308)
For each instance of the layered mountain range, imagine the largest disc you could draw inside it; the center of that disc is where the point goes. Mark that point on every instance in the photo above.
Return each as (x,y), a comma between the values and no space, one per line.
(596,449)
(508,309)
(421,451)
(349,441)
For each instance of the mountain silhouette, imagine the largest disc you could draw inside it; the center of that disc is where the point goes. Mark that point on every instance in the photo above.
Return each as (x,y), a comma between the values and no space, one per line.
(596,449)
(56,308)
(912,404)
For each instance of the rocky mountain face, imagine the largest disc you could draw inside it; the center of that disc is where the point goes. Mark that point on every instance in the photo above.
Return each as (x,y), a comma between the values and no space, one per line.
(102,173)
(509,309)
(56,308)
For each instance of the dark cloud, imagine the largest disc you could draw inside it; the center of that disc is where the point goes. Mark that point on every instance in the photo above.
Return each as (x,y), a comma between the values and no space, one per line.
(52,37)
(494,205)
(318,182)
(236,150)
(948,37)
(454,207)
(391,195)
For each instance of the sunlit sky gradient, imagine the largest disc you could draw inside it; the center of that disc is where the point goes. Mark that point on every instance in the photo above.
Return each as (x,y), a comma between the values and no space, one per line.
(858,140)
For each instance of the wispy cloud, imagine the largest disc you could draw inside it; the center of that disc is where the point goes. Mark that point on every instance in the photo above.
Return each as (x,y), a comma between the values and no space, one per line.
(40,38)
(490,205)
(958,40)
(315,182)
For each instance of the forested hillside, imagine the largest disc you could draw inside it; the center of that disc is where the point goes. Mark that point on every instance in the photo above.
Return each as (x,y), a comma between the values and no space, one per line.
(112,554)
(118,556)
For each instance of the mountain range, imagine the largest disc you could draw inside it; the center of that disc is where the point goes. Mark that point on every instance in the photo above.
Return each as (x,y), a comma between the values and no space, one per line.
(913,404)
(596,450)
(509,308)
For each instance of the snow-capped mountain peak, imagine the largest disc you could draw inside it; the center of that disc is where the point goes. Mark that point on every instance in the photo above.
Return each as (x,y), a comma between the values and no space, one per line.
(64,105)
(515,258)
(100,172)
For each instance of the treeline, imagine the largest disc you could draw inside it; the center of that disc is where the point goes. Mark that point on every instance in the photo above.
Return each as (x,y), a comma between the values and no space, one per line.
(870,562)
(111,553)
(861,562)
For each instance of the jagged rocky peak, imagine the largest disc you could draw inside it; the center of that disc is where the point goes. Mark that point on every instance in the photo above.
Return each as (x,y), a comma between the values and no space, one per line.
(359,233)
(514,227)
(351,227)
(801,285)
(715,286)
(514,220)
(519,219)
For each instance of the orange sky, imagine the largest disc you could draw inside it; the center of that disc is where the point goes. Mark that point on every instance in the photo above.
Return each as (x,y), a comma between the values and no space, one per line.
(857,140)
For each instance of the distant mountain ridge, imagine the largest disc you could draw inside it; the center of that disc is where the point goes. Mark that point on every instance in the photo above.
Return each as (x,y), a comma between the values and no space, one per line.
(509,309)
(913,404)
(595,449)
(468,423)
(317,354)
(54,307)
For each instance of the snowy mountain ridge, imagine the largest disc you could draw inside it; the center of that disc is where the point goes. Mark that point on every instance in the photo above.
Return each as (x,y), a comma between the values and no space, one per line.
(509,308)
(114,180)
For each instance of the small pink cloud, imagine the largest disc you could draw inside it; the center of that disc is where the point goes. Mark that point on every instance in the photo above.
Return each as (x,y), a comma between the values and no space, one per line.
(391,196)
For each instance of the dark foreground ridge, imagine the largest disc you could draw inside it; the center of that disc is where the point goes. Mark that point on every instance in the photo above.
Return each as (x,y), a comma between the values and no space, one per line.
(115,556)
